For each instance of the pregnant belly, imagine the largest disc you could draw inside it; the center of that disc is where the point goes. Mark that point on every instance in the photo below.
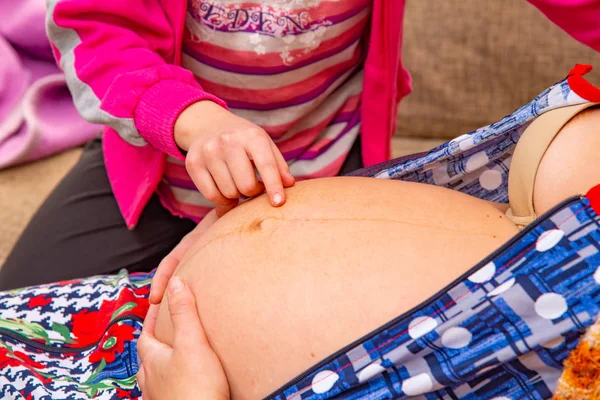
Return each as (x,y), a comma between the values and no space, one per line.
(280,289)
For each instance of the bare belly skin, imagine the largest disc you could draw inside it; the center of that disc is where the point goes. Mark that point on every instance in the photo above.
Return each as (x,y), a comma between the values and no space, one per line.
(279,289)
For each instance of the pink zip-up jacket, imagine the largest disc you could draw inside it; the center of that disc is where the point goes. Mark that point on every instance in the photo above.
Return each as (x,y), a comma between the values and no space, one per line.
(122,64)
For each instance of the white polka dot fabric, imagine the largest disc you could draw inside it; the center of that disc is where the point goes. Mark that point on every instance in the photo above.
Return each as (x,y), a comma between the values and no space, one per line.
(500,332)
(503,330)
(476,163)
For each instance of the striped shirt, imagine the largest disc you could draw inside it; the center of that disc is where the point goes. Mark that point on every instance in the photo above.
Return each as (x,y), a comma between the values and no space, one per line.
(292,67)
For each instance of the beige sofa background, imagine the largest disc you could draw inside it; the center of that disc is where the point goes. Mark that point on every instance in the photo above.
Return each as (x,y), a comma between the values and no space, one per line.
(472,62)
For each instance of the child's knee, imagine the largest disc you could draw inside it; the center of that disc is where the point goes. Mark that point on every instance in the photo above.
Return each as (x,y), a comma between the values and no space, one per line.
(571,165)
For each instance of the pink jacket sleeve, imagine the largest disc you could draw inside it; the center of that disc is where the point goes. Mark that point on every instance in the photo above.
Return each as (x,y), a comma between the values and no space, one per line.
(579,18)
(115,56)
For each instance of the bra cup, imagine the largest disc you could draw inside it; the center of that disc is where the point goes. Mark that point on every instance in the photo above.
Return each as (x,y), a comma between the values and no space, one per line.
(527,157)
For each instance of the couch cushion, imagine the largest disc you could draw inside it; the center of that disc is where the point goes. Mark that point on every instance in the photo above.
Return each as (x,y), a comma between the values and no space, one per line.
(475,61)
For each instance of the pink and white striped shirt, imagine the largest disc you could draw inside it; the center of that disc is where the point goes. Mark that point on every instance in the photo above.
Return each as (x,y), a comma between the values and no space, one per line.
(292,67)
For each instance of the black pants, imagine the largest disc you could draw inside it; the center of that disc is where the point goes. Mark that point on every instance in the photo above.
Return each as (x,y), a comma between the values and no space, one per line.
(79,230)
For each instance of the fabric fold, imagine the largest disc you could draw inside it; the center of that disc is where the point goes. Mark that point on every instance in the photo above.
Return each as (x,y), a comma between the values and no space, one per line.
(37,114)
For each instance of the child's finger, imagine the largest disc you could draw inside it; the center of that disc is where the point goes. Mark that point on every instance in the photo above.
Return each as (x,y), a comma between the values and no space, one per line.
(284,169)
(262,154)
(206,185)
(242,172)
(223,179)
(222,210)
(187,329)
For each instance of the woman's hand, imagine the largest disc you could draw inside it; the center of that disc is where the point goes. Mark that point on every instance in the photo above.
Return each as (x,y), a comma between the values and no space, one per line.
(222,150)
(169,264)
(188,370)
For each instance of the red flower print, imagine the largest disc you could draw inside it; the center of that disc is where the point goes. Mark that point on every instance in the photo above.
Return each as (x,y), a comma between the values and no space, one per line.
(87,326)
(123,394)
(6,361)
(38,301)
(112,343)
(27,361)
(69,282)
(14,359)
(142,290)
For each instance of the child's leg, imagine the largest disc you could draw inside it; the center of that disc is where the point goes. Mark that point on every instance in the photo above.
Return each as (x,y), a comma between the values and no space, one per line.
(79,232)
(571,165)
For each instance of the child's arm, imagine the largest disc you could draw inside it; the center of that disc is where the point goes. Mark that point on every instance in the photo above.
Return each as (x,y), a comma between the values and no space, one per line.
(119,62)
(118,59)
(579,18)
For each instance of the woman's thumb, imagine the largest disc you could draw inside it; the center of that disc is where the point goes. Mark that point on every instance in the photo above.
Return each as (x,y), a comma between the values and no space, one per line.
(184,315)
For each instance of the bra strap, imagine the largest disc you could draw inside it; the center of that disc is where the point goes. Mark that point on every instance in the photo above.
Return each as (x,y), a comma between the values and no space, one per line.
(527,157)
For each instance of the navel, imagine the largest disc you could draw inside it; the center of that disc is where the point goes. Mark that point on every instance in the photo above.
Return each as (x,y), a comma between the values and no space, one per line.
(264,224)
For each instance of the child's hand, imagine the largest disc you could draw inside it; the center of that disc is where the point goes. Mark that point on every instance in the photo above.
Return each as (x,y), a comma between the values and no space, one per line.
(188,370)
(221,150)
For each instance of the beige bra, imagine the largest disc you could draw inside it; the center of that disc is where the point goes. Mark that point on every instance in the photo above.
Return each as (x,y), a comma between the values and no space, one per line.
(527,158)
